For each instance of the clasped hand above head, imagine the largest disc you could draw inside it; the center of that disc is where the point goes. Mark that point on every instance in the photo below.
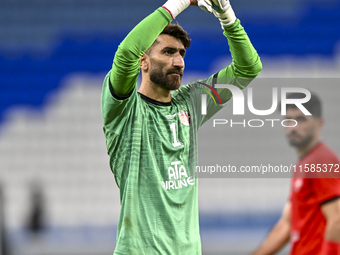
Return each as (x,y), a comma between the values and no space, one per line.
(221,9)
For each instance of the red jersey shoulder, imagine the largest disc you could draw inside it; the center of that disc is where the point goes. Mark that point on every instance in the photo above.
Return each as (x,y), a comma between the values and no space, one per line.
(322,180)
(321,154)
(321,162)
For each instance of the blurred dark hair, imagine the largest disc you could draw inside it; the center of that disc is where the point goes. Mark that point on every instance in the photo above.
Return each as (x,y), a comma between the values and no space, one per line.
(176,31)
(313,105)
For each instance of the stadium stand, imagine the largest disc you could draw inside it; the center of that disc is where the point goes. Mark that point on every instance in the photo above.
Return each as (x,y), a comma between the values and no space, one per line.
(53,57)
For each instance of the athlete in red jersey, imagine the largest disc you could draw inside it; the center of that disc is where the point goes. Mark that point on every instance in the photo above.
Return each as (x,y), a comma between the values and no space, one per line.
(311,219)
(307,197)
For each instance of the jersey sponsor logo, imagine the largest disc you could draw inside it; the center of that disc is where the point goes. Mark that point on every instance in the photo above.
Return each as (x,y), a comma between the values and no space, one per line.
(184,117)
(171,116)
(178,177)
(295,236)
(297,184)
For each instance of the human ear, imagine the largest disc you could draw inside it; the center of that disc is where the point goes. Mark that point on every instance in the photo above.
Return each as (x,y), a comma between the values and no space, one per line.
(144,62)
(320,122)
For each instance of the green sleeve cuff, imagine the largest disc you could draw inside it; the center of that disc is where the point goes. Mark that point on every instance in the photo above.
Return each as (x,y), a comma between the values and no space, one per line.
(232,26)
(165,13)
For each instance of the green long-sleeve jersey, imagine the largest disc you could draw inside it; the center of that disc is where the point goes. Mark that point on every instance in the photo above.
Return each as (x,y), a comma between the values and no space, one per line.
(153,145)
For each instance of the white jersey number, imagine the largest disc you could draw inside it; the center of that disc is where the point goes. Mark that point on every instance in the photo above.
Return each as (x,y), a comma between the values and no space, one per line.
(173,128)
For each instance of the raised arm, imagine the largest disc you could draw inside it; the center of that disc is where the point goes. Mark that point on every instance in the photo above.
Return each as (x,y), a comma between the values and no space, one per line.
(278,236)
(126,63)
(246,62)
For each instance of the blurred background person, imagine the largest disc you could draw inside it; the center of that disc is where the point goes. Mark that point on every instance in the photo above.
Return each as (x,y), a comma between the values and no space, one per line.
(311,217)
(36,215)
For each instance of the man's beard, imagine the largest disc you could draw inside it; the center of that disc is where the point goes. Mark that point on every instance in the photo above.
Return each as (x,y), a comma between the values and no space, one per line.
(301,143)
(165,79)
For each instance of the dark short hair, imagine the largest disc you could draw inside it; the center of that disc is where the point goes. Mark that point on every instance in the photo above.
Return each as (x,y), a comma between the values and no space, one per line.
(176,31)
(313,105)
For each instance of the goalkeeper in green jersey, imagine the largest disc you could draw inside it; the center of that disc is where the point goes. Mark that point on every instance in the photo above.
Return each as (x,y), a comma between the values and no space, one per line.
(151,133)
